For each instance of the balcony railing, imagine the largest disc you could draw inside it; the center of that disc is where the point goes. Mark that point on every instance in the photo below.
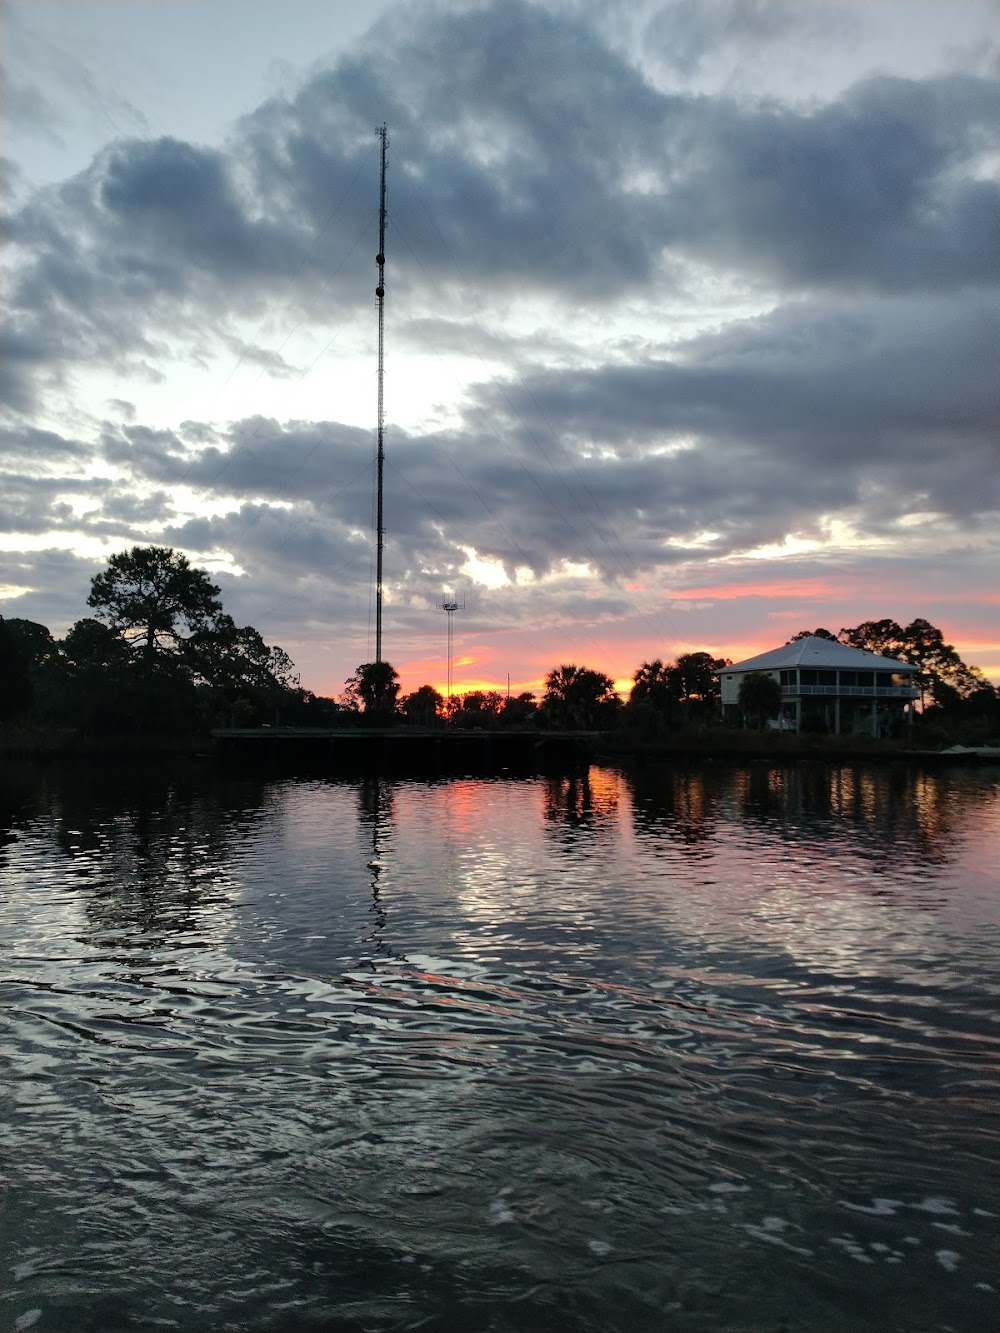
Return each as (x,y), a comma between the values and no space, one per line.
(852,691)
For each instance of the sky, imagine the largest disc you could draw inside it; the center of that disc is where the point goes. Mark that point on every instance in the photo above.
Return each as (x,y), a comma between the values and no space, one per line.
(691,321)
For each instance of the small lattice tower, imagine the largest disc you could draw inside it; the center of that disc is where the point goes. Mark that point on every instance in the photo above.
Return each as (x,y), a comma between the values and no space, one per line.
(451,604)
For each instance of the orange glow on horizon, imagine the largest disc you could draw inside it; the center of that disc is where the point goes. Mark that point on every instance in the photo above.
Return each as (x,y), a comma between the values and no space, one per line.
(772,624)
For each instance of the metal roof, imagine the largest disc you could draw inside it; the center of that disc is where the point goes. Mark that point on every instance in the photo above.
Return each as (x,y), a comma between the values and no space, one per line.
(825,654)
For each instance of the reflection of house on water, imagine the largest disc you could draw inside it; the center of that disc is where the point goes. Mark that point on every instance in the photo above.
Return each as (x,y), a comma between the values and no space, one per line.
(883,813)
(888,812)
(679,804)
(581,801)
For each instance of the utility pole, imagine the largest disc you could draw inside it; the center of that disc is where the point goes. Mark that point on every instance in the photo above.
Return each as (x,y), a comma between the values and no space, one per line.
(380,293)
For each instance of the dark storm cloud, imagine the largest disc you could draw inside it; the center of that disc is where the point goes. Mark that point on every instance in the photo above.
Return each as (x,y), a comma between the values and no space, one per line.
(27,445)
(866,191)
(257,457)
(122,513)
(33,505)
(863,409)
(527,153)
(897,378)
(184,202)
(55,586)
(686,36)
(685,32)
(25,105)
(541,155)
(870,409)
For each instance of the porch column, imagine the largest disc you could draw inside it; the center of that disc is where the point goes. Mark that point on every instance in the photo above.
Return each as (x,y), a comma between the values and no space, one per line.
(836,715)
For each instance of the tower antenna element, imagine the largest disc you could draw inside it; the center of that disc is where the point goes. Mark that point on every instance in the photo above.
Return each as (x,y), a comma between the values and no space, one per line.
(380,467)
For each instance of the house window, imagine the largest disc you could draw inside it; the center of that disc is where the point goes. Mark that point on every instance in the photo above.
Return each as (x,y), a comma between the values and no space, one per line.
(788,677)
(807,677)
(866,678)
(826,677)
(849,678)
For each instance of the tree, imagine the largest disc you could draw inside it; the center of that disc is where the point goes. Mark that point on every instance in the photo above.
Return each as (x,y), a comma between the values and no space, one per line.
(884,637)
(374,688)
(759,697)
(697,678)
(248,679)
(162,653)
(654,699)
(656,685)
(34,641)
(519,709)
(16,692)
(423,707)
(101,688)
(922,645)
(938,661)
(91,646)
(478,708)
(44,664)
(813,634)
(153,597)
(302,708)
(578,697)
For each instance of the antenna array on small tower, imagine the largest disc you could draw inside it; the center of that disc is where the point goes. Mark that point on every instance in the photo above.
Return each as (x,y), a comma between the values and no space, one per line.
(451,604)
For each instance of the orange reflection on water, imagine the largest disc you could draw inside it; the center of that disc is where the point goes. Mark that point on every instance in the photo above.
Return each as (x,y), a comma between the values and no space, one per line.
(590,795)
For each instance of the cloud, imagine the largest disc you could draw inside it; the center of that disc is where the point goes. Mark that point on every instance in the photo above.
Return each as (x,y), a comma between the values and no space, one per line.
(541,157)
(692,331)
(876,190)
(72,87)
(26,106)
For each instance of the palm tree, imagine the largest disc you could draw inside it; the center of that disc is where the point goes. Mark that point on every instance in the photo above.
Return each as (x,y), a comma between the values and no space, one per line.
(579,697)
(759,697)
(374,687)
(424,706)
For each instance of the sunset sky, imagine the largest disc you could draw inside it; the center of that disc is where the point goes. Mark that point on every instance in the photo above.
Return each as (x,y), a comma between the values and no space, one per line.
(691,321)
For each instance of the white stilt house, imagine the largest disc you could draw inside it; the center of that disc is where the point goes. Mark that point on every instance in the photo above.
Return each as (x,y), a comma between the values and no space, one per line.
(828,684)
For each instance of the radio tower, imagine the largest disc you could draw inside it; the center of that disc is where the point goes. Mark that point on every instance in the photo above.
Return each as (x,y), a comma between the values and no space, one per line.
(451,605)
(380,293)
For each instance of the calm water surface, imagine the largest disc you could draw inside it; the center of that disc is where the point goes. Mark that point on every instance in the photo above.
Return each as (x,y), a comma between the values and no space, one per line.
(684,1050)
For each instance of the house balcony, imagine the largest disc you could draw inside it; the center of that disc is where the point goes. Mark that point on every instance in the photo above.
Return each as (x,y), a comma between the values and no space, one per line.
(850,691)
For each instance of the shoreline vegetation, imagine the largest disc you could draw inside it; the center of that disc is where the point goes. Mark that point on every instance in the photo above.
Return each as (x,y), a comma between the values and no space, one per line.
(47,745)
(160,668)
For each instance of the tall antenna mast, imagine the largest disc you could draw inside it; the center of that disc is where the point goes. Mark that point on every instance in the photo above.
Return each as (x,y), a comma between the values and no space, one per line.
(380,293)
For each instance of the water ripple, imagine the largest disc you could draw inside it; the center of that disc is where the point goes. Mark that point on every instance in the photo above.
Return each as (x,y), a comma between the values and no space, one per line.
(628,1053)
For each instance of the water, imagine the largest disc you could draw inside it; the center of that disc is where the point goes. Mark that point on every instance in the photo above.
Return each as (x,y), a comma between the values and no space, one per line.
(686,1050)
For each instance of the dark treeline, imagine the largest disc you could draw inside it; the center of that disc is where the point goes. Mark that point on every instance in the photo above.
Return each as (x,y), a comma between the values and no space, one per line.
(159,654)
(958,703)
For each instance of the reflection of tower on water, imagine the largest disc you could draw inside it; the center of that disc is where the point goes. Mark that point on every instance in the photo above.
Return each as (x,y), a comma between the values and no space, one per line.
(376,809)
